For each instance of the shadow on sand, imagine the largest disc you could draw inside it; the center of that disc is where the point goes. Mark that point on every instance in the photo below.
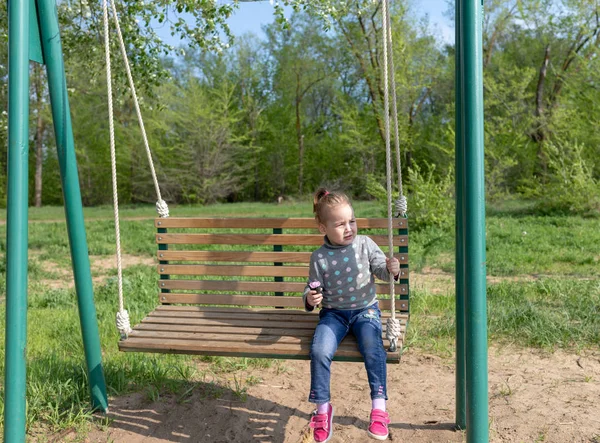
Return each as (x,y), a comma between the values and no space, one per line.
(211,413)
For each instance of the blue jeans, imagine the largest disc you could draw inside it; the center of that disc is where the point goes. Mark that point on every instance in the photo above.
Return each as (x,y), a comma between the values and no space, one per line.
(334,325)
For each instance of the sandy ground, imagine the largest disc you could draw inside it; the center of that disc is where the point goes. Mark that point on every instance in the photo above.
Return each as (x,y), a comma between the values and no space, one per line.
(533,397)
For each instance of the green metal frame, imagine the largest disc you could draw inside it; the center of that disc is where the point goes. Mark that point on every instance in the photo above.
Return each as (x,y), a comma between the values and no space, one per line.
(405,281)
(16,222)
(28,17)
(278,248)
(34,25)
(460,396)
(471,315)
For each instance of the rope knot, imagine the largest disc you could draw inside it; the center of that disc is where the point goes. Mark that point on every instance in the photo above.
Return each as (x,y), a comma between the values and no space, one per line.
(123,323)
(162,208)
(393,332)
(401,206)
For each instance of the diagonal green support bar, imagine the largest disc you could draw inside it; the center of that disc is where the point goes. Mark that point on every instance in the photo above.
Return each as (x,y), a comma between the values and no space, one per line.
(471,66)
(35,42)
(461,420)
(16,222)
(63,130)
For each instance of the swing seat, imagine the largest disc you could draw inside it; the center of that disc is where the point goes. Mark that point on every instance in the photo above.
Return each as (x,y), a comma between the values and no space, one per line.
(233,287)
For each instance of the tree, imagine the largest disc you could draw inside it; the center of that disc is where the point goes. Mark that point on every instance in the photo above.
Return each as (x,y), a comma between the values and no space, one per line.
(304,66)
(199,154)
(567,42)
(249,70)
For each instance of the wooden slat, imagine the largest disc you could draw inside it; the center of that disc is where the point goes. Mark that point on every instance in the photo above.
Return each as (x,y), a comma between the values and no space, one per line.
(235,256)
(243,270)
(217,324)
(255,300)
(349,343)
(268,223)
(253,286)
(246,256)
(257,322)
(232,330)
(232,299)
(190,310)
(148,327)
(261,239)
(233,285)
(235,270)
(235,349)
(265,341)
(239,315)
(215,337)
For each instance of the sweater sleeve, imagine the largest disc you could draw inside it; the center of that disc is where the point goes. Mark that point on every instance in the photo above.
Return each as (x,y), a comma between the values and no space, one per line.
(377,260)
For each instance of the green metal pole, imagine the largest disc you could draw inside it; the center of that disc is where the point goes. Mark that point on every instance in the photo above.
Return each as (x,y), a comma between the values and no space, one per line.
(16,222)
(63,130)
(475,266)
(460,383)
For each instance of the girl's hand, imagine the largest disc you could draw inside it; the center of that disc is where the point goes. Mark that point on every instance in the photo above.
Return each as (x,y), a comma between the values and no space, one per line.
(393,266)
(313,298)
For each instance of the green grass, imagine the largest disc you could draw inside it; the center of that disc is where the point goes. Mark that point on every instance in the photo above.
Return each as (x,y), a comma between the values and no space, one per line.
(301,208)
(553,304)
(547,314)
(540,246)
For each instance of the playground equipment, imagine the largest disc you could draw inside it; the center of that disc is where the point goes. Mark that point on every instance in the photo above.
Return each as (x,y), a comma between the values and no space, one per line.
(188,321)
(43,45)
(240,329)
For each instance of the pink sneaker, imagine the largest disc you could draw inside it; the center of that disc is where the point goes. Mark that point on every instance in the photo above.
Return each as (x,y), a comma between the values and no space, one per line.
(322,425)
(378,429)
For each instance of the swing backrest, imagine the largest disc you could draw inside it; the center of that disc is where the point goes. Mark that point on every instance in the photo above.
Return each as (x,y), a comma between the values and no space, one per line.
(254,261)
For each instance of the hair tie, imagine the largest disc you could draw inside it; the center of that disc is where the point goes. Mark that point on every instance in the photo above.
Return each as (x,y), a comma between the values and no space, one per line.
(326,193)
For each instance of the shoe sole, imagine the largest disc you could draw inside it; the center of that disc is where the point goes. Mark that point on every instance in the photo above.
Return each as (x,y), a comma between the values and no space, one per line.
(378,437)
(330,427)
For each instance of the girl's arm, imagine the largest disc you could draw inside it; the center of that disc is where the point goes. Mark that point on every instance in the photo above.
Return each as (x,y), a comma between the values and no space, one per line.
(314,275)
(380,264)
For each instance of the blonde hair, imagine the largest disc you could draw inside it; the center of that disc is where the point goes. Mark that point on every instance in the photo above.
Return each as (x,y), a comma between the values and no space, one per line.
(324,199)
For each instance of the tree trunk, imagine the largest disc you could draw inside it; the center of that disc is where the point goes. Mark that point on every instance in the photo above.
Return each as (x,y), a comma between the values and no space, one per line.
(299,136)
(375,91)
(539,94)
(39,159)
(500,24)
(539,134)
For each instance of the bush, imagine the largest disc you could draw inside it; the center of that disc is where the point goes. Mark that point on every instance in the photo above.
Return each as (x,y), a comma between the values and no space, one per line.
(568,187)
(430,202)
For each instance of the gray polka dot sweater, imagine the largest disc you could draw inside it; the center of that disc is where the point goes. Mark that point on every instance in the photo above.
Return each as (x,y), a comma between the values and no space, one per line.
(347,273)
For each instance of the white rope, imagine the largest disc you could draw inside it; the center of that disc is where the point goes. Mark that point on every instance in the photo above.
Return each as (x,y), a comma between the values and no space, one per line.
(401,204)
(122,316)
(160,203)
(393,330)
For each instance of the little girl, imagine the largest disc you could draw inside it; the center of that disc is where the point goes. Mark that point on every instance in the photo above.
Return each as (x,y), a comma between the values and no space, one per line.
(342,280)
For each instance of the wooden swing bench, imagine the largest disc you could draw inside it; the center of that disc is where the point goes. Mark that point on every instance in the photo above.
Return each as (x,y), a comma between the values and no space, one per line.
(210,270)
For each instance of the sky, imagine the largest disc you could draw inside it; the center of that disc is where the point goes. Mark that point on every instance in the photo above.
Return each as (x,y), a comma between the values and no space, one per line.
(251,16)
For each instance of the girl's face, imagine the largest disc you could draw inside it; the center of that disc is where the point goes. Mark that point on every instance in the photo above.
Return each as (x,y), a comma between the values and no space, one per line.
(339,225)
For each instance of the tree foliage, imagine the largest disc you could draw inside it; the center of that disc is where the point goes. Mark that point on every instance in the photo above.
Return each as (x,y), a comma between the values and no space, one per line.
(253,119)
